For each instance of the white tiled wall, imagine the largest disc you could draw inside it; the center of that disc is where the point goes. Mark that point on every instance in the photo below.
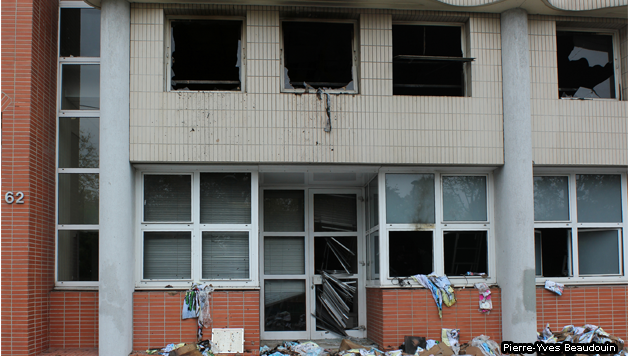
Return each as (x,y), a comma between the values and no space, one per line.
(265,125)
(574,132)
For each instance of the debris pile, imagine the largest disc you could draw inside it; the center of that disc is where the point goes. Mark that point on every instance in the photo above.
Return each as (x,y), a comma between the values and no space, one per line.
(203,348)
(586,334)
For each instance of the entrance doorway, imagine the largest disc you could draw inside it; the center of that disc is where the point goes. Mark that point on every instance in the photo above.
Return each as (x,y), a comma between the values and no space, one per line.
(312,266)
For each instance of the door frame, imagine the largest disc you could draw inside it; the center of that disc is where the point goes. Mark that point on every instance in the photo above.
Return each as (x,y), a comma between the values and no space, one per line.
(309,277)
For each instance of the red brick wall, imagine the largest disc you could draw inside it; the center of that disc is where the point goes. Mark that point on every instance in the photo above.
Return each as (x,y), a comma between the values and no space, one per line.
(604,306)
(73,319)
(395,313)
(157,318)
(29,73)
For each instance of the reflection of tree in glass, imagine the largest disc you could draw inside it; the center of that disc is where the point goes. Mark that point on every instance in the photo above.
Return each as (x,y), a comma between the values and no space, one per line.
(598,197)
(550,198)
(88,150)
(464,198)
(284,210)
(410,201)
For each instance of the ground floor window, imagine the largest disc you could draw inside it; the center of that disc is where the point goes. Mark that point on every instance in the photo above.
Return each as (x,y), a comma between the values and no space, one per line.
(579,226)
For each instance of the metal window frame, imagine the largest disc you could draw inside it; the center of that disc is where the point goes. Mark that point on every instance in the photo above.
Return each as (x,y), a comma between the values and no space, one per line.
(616,58)
(196,227)
(75,285)
(168,57)
(574,225)
(355,45)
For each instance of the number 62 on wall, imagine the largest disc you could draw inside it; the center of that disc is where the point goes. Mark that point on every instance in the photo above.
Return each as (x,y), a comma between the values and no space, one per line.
(10,198)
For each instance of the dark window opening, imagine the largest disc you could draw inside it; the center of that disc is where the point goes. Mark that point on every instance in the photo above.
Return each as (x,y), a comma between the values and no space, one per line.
(318,55)
(427,60)
(465,251)
(336,255)
(585,65)
(411,252)
(553,252)
(206,55)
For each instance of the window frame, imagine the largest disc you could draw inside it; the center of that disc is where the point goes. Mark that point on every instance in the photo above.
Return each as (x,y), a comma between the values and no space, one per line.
(196,228)
(168,55)
(438,228)
(616,59)
(464,47)
(355,47)
(74,285)
(574,225)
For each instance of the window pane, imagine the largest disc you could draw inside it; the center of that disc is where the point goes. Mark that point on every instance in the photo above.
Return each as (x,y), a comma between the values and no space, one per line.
(373,256)
(225,255)
(585,65)
(319,54)
(225,198)
(464,198)
(599,197)
(410,198)
(598,252)
(335,212)
(336,254)
(77,255)
(167,255)
(79,33)
(410,253)
(78,198)
(284,255)
(373,203)
(206,54)
(167,197)
(322,310)
(553,252)
(78,142)
(551,198)
(284,305)
(80,87)
(284,210)
(465,251)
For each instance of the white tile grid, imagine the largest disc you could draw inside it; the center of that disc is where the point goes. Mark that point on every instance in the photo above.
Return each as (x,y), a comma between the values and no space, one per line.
(264,125)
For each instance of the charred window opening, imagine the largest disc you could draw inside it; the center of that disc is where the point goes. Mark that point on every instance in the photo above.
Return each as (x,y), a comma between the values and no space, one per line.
(585,65)
(206,55)
(465,251)
(318,55)
(553,252)
(411,252)
(428,60)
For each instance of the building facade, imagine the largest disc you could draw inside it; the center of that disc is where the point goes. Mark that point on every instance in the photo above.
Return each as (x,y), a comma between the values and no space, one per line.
(272,148)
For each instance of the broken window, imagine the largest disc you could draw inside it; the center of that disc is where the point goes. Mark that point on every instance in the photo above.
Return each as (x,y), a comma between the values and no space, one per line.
(585,65)
(336,254)
(410,253)
(318,55)
(206,55)
(553,252)
(465,251)
(428,60)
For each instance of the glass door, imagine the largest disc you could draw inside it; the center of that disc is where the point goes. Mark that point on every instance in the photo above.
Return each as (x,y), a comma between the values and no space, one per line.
(312,269)
(337,250)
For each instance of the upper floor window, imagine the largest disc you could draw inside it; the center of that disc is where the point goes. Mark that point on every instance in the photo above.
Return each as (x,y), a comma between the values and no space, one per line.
(206,54)
(586,65)
(429,60)
(319,55)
